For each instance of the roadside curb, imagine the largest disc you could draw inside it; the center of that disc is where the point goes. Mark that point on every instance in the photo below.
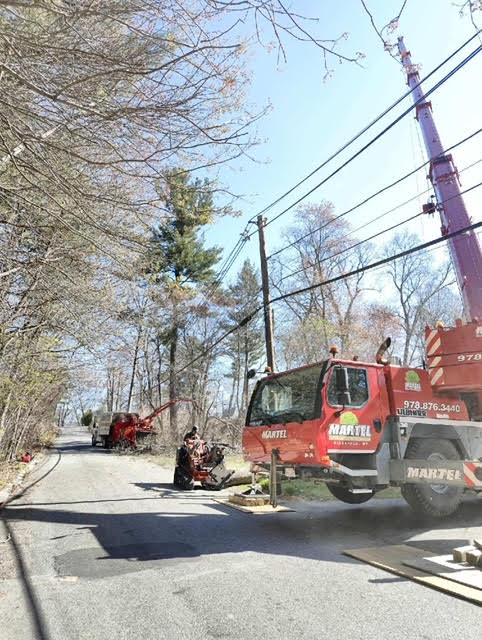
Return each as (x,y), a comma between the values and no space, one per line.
(9,491)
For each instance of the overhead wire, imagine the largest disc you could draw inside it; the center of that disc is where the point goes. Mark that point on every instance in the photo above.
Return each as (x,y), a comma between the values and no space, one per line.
(353,246)
(378,136)
(383,231)
(383,261)
(375,194)
(225,268)
(437,242)
(367,127)
(229,261)
(428,250)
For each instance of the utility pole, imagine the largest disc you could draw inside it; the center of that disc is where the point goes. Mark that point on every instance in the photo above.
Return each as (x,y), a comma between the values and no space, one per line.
(268,318)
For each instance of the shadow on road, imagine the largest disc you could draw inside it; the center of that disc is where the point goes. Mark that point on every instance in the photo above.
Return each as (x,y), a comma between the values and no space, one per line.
(136,541)
(35,610)
(183,526)
(81,446)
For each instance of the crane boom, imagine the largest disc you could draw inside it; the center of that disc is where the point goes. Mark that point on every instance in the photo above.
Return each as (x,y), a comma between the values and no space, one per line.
(464,249)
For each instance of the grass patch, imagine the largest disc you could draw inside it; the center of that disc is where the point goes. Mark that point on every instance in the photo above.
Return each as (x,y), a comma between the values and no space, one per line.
(306,490)
(391,492)
(314,491)
(318,491)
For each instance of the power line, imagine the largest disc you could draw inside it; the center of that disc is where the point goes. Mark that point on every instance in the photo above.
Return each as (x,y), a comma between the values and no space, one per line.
(378,136)
(367,127)
(250,316)
(229,261)
(245,236)
(226,265)
(383,261)
(333,255)
(429,250)
(364,130)
(377,193)
(353,246)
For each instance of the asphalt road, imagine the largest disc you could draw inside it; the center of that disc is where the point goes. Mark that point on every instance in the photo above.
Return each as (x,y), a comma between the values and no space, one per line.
(102,547)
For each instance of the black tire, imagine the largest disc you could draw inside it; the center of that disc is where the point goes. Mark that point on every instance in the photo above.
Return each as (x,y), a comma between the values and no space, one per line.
(176,481)
(106,442)
(183,480)
(342,493)
(426,499)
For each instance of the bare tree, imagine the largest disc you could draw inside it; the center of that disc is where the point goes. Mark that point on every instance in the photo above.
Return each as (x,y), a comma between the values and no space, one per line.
(319,248)
(100,99)
(419,287)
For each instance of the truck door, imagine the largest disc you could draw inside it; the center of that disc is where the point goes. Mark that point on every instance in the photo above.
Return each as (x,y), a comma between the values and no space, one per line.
(356,425)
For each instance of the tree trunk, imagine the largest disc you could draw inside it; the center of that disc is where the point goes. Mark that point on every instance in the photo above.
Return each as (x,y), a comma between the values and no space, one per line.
(173,381)
(134,369)
(245,375)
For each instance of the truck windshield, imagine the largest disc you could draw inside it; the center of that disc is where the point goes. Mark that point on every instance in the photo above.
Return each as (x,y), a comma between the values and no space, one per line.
(288,398)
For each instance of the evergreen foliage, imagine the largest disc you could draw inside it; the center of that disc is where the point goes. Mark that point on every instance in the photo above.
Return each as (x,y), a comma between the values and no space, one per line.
(178,256)
(245,347)
(178,261)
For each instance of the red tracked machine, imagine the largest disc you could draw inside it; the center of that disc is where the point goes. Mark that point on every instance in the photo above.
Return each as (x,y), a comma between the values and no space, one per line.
(201,461)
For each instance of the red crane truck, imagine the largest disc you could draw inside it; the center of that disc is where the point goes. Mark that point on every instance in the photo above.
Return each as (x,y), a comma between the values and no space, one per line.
(362,426)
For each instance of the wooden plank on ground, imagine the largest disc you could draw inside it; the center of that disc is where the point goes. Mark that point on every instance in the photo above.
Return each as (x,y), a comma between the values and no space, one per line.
(391,558)
(264,510)
(445,567)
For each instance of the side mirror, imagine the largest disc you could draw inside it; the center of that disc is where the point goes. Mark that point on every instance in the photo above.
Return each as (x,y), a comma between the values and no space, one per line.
(342,386)
(251,374)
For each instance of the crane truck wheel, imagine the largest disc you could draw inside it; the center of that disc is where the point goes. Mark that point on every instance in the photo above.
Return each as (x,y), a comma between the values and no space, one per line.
(436,500)
(342,493)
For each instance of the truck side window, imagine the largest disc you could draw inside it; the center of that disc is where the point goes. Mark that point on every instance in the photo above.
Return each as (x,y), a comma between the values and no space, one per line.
(358,384)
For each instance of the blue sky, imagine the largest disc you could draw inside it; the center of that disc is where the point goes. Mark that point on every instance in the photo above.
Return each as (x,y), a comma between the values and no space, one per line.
(311,118)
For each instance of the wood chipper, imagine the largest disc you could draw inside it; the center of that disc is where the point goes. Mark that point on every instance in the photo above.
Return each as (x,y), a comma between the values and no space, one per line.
(128,430)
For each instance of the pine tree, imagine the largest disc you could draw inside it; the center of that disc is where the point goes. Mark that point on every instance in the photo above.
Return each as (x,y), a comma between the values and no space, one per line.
(245,346)
(179,261)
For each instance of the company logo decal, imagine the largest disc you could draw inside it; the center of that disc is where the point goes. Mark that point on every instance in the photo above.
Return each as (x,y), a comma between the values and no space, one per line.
(349,430)
(272,435)
(412,381)
(433,474)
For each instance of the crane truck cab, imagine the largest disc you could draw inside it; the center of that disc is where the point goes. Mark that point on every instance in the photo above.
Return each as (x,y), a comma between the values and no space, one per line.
(362,427)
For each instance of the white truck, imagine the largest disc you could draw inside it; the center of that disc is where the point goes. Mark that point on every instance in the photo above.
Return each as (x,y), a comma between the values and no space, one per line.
(100,428)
